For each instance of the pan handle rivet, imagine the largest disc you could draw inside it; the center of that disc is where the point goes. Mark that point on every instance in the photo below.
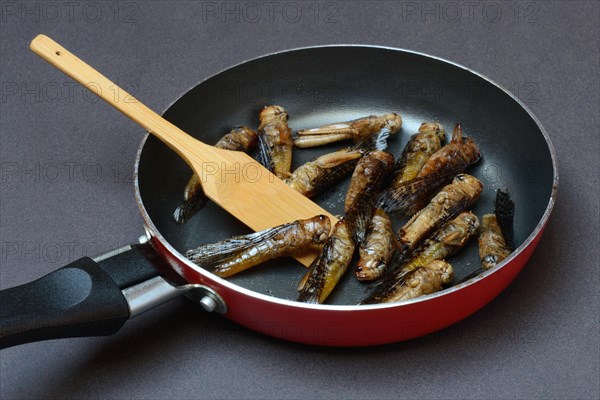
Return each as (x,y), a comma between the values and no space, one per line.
(207,297)
(208,303)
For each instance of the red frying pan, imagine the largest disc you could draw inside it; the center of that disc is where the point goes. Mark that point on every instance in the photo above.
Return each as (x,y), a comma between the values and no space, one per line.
(316,85)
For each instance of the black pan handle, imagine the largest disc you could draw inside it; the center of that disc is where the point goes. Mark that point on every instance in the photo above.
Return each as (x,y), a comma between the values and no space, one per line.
(80,299)
(86,297)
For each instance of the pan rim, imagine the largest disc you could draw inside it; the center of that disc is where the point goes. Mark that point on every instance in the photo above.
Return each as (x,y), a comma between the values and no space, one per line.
(155,233)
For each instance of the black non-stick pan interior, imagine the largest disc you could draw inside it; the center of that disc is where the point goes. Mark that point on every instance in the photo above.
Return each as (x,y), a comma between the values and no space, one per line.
(331,84)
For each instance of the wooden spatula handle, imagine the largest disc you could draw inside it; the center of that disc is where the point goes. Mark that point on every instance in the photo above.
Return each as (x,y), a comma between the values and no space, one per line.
(103,87)
(259,200)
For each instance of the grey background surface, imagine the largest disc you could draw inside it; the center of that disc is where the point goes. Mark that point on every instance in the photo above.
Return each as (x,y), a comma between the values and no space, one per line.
(71,195)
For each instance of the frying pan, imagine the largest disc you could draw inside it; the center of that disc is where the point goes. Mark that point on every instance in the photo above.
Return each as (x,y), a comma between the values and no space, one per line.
(316,85)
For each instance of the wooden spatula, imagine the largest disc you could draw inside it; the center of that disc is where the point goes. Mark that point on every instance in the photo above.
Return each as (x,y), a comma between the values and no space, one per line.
(231,179)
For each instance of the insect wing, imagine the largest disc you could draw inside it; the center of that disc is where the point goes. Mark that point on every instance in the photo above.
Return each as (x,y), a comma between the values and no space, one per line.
(211,254)
(188,208)
(505,212)
(265,152)
(411,195)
